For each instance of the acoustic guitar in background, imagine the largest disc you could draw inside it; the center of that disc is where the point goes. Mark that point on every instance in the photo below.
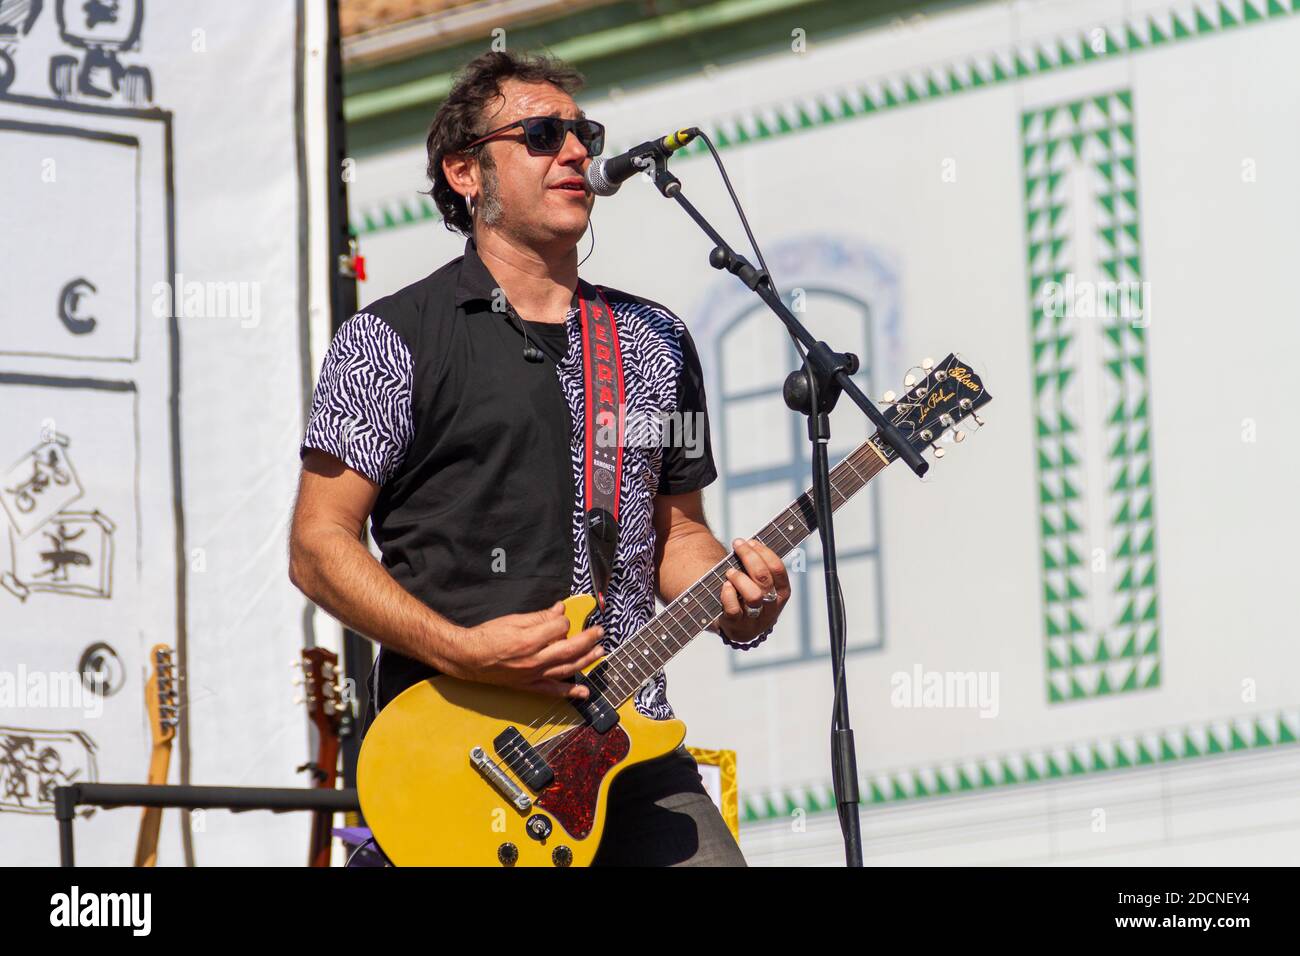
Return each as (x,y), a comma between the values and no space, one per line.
(327,710)
(163,705)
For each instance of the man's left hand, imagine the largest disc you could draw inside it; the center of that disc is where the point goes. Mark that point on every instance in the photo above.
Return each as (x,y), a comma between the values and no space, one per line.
(764,585)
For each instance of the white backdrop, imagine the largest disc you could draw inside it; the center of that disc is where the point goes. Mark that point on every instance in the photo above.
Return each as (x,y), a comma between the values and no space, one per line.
(1117,583)
(163,155)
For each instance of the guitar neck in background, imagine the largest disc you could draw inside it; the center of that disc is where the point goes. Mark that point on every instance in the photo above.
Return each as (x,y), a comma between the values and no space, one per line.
(146,847)
(162,703)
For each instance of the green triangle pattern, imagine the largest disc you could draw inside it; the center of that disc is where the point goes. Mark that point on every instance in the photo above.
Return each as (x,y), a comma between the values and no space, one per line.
(1092,137)
(1186,20)
(1218,739)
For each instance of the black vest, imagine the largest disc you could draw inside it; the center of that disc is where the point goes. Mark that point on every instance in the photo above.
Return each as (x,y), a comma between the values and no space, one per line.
(476,520)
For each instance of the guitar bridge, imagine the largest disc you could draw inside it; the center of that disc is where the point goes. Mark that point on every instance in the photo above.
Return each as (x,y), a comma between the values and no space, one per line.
(494,775)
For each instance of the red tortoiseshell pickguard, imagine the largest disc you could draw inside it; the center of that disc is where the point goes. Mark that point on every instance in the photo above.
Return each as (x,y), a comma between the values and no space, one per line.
(580,759)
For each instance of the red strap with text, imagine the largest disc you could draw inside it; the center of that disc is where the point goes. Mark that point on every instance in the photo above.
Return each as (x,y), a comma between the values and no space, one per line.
(603,365)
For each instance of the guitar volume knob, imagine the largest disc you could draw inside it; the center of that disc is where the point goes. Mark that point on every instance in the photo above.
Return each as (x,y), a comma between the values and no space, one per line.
(508,854)
(562,856)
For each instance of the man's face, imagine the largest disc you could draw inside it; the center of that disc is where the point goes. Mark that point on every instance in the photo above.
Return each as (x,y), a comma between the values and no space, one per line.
(523,192)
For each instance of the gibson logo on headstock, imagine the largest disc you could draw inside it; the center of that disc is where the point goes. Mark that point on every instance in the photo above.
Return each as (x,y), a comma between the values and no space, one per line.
(963,375)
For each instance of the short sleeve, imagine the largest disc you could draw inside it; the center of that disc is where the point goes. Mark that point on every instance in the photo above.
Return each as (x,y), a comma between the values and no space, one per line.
(361,409)
(688,461)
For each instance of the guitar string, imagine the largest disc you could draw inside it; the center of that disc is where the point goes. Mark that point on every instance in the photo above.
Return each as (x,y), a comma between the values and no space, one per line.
(876,465)
(678,615)
(709,582)
(559,718)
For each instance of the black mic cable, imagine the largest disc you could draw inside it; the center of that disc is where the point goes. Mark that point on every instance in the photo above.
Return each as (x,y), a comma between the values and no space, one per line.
(531,352)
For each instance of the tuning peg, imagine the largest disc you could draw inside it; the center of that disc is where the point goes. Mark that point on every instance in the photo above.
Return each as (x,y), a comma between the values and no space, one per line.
(888,397)
(910,380)
(938,452)
(960,436)
(297,681)
(300,700)
(979,422)
(927,363)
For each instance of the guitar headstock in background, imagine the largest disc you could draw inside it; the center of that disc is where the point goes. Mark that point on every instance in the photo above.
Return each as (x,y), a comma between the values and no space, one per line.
(322,690)
(330,712)
(162,699)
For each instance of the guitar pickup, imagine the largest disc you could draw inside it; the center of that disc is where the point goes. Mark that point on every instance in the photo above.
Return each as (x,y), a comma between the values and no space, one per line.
(521,757)
(595,710)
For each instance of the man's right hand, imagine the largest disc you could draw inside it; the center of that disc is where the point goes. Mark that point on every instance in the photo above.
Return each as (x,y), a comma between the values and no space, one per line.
(529,652)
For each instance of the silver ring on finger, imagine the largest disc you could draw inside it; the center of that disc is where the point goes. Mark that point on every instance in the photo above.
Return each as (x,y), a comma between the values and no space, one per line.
(770,597)
(752,612)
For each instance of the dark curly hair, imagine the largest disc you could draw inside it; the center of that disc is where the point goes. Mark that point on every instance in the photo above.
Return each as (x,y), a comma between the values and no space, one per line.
(460,118)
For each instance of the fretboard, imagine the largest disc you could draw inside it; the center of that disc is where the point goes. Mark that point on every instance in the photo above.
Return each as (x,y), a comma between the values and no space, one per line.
(697,608)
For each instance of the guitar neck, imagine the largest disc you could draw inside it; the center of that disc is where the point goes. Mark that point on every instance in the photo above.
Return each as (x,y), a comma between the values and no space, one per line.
(699,606)
(146,846)
(322,822)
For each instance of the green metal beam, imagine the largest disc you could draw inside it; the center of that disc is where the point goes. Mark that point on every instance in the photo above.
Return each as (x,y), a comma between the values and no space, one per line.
(633,36)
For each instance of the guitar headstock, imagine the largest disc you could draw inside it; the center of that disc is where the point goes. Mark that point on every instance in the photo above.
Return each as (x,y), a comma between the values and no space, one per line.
(162,699)
(947,395)
(322,689)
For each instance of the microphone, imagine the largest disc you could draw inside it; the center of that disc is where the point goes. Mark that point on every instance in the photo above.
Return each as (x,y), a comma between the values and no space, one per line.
(532,353)
(604,176)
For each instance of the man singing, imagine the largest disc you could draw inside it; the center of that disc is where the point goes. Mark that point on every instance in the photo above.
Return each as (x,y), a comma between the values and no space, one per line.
(452,414)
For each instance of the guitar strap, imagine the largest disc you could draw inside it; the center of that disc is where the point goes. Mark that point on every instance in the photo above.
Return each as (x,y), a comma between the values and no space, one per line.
(603,374)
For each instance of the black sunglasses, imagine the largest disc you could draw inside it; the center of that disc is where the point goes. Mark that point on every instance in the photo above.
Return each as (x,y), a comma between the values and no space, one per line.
(546,134)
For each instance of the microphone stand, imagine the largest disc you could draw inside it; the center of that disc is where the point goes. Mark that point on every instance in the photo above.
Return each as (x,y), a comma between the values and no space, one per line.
(826,374)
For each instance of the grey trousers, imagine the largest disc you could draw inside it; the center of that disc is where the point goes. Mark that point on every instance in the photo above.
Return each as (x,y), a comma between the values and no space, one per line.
(659,814)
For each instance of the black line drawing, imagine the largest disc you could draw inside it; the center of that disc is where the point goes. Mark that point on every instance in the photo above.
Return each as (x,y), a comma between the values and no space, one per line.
(109,305)
(34,762)
(101,669)
(70,304)
(73,302)
(103,29)
(39,485)
(152,130)
(63,563)
(16,19)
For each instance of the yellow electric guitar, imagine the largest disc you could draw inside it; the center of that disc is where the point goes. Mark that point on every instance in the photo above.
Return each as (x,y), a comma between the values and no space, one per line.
(455,773)
(161,701)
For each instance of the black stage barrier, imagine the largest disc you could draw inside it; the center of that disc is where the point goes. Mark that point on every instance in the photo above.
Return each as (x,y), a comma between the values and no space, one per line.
(108,796)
